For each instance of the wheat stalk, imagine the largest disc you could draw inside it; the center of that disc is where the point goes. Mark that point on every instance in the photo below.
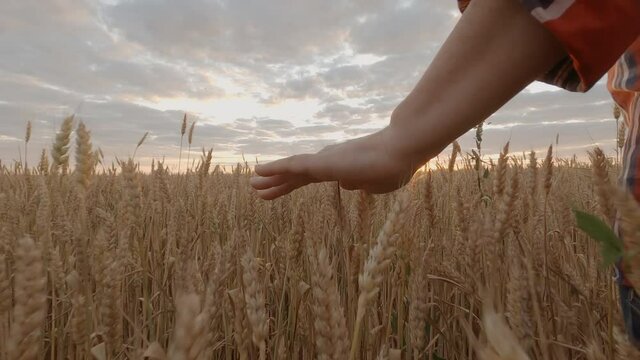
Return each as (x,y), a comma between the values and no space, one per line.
(255,303)
(330,324)
(377,262)
(30,302)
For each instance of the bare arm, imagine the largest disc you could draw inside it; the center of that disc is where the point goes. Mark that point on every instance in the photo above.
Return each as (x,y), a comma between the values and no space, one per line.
(494,52)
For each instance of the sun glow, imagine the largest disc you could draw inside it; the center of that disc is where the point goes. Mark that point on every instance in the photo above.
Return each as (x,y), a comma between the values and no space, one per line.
(227,109)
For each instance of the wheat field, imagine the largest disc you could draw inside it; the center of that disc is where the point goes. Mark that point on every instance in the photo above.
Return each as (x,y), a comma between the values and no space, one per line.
(474,259)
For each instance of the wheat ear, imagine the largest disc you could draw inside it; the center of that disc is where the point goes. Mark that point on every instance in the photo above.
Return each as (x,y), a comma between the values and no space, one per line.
(377,262)
(254,298)
(60,149)
(330,324)
(602,182)
(84,156)
(30,302)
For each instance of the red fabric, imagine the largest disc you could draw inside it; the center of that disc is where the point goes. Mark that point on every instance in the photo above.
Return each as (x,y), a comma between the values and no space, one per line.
(594,33)
(599,36)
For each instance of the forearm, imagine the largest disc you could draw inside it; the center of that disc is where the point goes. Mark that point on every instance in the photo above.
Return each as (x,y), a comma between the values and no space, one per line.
(494,52)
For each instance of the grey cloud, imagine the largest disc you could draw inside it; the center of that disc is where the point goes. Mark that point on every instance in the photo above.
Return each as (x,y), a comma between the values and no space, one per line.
(197,28)
(63,43)
(372,108)
(116,127)
(316,130)
(531,121)
(281,148)
(399,29)
(383,105)
(156,80)
(394,76)
(345,76)
(274,124)
(26,91)
(301,88)
(344,114)
(269,39)
(60,56)
(572,137)
(597,94)
(397,74)
(263,128)
(276,31)
(389,79)
(49,14)
(552,106)
(244,124)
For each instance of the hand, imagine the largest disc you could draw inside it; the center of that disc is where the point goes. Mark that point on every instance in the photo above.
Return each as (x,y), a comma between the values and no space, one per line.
(450,98)
(371,163)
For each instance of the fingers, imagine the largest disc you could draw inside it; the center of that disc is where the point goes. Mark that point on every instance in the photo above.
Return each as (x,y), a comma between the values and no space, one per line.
(381,188)
(349,186)
(280,190)
(297,164)
(282,176)
(263,183)
(369,189)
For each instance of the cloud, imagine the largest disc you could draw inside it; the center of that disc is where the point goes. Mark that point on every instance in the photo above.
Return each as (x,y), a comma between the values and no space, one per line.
(301,88)
(5,138)
(65,45)
(344,114)
(281,148)
(316,71)
(532,121)
(278,31)
(401,27)
(344,76)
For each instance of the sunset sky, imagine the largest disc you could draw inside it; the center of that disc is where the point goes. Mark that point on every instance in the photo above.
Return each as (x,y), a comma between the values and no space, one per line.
(262,78)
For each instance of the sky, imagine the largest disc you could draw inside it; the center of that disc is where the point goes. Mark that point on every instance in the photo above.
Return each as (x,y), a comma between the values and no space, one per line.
(263,79)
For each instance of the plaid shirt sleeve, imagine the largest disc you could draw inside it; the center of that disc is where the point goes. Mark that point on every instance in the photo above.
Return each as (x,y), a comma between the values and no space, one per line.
(594,34)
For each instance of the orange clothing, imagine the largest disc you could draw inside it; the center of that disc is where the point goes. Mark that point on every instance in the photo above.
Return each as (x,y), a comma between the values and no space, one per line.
(595,33)
(599,36)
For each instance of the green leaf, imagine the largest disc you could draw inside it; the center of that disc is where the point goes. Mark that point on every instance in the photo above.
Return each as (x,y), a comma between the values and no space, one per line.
(598,230)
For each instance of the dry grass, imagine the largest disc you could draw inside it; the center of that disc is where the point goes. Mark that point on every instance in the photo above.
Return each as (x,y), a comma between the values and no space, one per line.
(472,260)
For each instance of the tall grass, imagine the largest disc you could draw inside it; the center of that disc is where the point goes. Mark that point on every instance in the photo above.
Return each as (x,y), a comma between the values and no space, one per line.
(471,260)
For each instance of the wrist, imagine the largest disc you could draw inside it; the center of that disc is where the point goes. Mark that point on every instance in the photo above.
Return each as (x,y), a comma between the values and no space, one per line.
(411,135)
